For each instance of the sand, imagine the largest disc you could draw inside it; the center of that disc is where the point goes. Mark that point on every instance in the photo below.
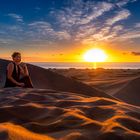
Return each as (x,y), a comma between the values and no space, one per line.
(130,93)
(71,105)
(45,78)
(37,114)
(123,84)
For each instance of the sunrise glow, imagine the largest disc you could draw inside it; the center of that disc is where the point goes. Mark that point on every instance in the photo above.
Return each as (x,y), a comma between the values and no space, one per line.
(95,55)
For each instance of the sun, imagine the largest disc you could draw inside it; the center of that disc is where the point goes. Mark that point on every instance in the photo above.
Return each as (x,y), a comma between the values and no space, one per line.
(95,55)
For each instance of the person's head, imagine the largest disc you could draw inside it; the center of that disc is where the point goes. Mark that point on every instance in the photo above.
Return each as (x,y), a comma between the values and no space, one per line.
(16,56)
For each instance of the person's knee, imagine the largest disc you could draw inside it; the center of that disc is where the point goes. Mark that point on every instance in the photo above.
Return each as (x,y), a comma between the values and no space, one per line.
(26,75)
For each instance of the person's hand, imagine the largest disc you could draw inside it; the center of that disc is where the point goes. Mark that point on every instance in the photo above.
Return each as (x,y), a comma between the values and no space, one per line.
(21,84)
(23,65)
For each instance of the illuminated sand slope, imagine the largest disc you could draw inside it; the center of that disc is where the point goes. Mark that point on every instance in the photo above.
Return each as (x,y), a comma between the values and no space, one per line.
(42,114)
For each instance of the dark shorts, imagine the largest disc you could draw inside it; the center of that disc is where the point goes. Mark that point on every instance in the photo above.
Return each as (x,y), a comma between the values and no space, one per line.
(26,80)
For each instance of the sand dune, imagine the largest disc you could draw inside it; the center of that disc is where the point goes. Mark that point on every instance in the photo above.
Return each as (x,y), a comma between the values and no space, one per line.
(130,92)
(44,78)
(122,84)
(107,80)
(37,114)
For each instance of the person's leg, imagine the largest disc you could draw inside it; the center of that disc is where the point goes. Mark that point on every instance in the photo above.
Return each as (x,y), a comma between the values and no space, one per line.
(8,83)
(27,81)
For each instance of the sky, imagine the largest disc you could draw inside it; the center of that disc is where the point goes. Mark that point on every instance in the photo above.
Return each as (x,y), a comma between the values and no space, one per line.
(63,30)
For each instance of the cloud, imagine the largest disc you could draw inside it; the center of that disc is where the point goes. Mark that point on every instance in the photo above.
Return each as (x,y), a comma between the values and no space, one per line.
(6,41)
(127,36)
(124,2)
(80,13)
(92,34)
(98,10)
(131,34)
(121,15)
(43,30)
(17,17)
(82,20)
(78,22)
(40,25)
(3,41)
(135,53)
(121,3)
(137,25)
(125,53)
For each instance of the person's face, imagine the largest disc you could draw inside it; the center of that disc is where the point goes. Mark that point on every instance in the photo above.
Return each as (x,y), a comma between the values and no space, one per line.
(17,58)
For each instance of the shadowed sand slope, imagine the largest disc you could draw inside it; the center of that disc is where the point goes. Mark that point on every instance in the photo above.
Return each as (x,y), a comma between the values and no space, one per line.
(44,78)
(45,114)
(130,93)
(107,80)
(3,65)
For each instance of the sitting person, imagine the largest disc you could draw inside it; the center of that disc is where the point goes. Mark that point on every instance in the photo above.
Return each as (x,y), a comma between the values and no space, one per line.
(17,73)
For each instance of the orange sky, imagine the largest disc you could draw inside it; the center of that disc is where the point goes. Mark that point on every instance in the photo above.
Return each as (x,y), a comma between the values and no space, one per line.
(74,55)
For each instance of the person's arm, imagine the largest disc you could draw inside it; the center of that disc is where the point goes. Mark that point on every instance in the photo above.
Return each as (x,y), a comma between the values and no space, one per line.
(10,69)
(24,69)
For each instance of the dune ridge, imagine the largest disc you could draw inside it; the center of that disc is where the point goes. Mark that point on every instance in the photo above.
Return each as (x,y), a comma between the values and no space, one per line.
(47,79)
(16,132)
(120,83)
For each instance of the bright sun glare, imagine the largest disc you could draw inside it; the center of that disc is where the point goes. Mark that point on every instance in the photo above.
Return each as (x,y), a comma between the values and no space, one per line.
(95,55)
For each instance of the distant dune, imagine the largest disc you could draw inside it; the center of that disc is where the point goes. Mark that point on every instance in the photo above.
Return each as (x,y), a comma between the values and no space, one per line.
(130,93)
(44,114)
(123,84)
